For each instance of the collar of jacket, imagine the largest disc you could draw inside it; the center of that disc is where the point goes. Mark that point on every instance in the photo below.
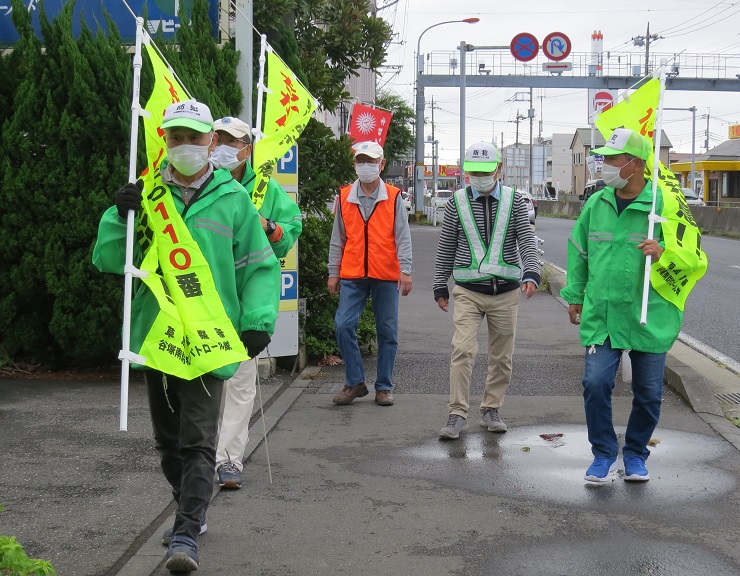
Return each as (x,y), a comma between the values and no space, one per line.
(354,192)
(249,176)
(495,194)
(643,201)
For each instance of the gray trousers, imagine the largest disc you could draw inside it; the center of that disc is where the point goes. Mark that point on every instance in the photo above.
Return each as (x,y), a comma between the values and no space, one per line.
(185,421)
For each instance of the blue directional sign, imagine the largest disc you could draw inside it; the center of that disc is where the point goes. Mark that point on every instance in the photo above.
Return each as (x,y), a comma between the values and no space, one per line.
(556,46)
(162,17)
(524,47)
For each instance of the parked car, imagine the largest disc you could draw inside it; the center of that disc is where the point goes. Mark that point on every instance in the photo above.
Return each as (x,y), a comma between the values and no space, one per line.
(533,202)
(691,197)
(591,187)
(440,200)
(530,205)
(406,201)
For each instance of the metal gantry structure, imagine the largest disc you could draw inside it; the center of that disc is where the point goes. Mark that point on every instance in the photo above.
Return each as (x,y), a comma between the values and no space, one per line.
(495,67)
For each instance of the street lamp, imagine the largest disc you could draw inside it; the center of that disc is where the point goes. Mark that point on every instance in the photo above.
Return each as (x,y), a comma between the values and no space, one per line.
(419,173)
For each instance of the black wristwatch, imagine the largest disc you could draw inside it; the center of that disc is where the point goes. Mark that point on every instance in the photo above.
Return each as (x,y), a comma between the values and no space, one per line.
(271,227)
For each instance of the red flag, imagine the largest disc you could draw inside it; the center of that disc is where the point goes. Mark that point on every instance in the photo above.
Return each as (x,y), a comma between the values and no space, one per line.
(369,124)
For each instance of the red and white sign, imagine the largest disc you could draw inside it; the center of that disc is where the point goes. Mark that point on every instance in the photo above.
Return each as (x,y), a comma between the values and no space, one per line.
(557,66)
(600,100)
(556,46)
(369,124)
(524,47)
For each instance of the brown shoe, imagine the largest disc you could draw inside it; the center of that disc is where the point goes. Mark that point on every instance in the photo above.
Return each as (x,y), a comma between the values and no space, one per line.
(349,393)
(384,398)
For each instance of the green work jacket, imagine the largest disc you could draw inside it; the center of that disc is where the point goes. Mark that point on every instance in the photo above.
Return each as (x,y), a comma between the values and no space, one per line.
(279,207)
(227,229)
(606,271)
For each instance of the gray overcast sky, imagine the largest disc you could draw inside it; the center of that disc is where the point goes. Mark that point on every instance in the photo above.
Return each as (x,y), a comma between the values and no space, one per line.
(693,26)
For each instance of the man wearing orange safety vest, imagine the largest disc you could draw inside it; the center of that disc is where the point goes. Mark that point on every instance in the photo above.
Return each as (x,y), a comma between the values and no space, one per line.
(369,256)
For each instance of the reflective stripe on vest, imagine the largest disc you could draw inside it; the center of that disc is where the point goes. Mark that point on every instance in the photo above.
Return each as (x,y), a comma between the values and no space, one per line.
(481,267)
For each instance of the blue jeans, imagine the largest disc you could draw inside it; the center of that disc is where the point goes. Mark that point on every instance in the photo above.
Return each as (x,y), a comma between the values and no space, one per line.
(353,295)
(647,389)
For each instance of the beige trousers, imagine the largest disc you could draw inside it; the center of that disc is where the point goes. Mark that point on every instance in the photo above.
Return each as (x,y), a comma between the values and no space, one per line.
(237,402)
(500,312)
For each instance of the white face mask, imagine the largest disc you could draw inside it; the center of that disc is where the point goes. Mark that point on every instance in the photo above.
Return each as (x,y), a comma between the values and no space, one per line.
(610,176)
(367,172)
(225,156)
(483,184)
(188,159)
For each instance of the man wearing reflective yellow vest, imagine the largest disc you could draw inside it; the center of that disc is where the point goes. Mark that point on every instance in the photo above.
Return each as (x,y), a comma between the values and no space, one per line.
(369,256)
(216,210)
(488,247)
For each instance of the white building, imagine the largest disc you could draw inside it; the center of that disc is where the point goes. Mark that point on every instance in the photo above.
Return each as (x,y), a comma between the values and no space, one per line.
(515,160)
(560,162)
(361,89)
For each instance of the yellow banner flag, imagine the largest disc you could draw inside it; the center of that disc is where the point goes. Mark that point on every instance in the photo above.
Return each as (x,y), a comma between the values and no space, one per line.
(683,263)
(288,108)
(166,91)
(191,334)
(636,112)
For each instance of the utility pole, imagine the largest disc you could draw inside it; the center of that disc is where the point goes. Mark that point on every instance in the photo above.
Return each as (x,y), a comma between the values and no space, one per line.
(501,151)
(518,117)
(516,148)
(530,113)
(706,141)
(540,138)
(647,49)
(645,41)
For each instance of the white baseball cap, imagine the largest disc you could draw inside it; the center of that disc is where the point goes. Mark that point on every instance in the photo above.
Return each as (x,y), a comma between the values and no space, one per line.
(372,149)
(188,114)
(237,128)
(482,157)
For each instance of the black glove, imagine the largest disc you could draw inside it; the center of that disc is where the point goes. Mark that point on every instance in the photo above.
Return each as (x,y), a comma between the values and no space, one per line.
(128,198)
(255,342)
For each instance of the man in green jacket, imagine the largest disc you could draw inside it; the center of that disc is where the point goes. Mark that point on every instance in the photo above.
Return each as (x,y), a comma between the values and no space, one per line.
(282,224)
(226,227)
(606,263)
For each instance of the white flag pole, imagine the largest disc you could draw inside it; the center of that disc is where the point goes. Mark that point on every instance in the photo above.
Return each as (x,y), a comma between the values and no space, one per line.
(653,217)
(129,271)
(261,89)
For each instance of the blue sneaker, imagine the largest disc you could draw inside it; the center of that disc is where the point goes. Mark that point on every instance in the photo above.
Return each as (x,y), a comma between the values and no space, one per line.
(634,469)
(167,535)
(229,476)
(182,555)
(601,469)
